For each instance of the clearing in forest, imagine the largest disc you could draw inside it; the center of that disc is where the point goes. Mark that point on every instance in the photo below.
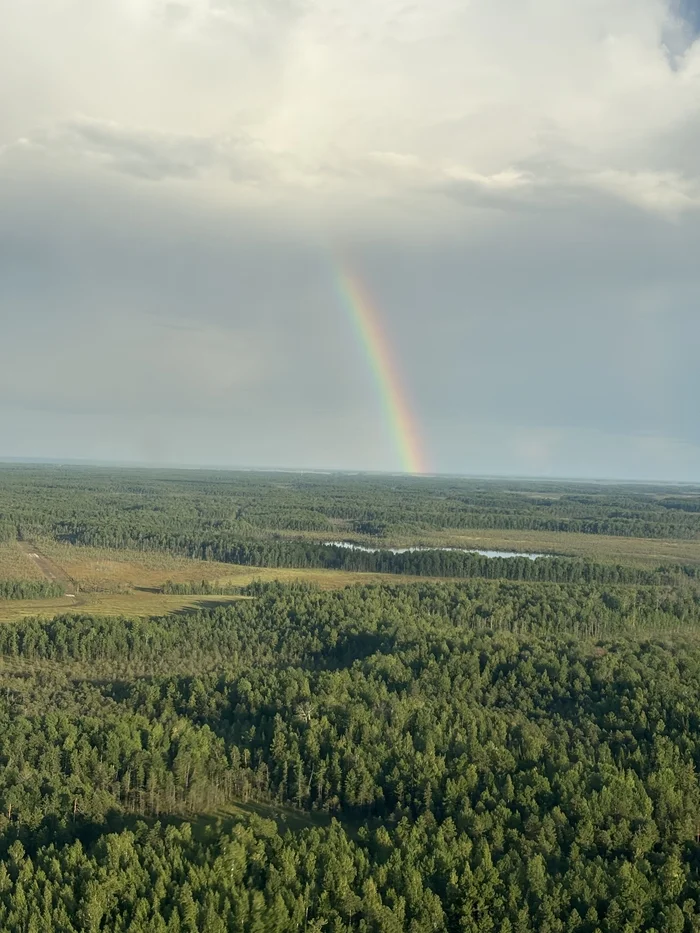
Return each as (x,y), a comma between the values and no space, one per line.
(46,567)
(15,564)
(129,582)
(103,569)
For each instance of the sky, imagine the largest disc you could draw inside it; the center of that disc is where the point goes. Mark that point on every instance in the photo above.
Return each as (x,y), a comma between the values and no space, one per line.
(516,183)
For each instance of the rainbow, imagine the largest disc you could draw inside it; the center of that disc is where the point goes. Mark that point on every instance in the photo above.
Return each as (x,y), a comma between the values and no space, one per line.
(397,410)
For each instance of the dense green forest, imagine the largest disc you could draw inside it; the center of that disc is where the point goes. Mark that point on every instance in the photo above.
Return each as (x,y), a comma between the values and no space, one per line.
(30,589)
(280,520)
(434,563)
(496,756)
(516,751)
(161,509)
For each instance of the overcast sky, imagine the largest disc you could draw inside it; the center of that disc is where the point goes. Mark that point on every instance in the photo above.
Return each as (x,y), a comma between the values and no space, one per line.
(516,181)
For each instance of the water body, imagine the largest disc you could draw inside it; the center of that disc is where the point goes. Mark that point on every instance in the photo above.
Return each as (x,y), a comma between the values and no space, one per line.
(409,550)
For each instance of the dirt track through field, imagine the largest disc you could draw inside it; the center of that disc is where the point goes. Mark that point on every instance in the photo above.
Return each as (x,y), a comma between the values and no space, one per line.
(49,568)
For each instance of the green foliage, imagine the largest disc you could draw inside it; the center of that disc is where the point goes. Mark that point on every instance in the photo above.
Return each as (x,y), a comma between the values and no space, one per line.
(299,624)
(490,772)
(203,588)
(428,562)
(509,755)
(134,508)
(30,589)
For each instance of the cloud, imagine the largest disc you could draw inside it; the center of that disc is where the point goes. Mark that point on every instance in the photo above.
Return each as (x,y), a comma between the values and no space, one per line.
(505,190)
(518,185)
(668,193)
(150,155)
(143,154)
(336,102)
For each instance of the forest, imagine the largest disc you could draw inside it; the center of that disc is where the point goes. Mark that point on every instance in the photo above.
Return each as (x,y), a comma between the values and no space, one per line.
(497,752)
(121,508)
(29,589)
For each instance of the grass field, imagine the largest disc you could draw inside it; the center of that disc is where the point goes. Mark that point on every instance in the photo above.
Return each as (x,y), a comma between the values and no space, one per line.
(140,603)
(647,552)
(105,570)
(128,583)
(15,565)
(102,570)
(637,551)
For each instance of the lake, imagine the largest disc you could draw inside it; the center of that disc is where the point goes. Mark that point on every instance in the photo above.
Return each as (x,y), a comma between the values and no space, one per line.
(409,550)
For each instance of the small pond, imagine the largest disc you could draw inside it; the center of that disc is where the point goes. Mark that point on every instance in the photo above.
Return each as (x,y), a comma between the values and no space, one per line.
(407,550)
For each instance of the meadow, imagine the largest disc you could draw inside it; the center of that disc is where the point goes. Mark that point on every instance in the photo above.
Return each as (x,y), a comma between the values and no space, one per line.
(104,570)
(110,582)
(15,564)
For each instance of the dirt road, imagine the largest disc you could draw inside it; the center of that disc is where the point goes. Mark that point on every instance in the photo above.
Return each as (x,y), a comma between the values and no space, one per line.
(49,568)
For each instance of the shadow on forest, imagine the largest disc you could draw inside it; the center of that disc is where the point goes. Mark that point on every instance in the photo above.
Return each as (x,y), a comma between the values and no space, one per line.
(88,831)
(198,605)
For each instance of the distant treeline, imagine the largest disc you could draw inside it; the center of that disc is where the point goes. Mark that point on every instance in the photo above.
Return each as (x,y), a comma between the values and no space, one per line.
(435,563)
(130,530)
(285,553)
(201,588)
(120,508)
(30,589)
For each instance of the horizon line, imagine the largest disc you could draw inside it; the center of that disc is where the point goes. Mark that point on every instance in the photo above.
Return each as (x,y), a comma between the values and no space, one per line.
(347,471)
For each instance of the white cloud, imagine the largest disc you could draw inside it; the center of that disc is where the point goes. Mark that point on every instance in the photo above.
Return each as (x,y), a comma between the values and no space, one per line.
(362,99)
(518,183)
(148,154)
